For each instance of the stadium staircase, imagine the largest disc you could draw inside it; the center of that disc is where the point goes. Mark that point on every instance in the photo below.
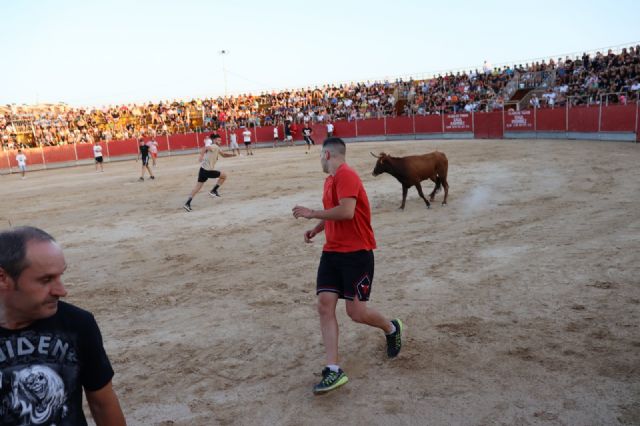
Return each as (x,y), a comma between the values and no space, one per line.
(523,86)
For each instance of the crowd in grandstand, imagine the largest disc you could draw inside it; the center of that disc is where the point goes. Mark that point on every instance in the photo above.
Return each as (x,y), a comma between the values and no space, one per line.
(585,79)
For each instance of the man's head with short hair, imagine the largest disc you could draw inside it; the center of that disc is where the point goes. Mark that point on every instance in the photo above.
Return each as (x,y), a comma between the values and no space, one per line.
(335,146)
(332,154)
(13,248)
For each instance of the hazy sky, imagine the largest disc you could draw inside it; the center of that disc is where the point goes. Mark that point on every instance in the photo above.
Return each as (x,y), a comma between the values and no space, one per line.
(86,52)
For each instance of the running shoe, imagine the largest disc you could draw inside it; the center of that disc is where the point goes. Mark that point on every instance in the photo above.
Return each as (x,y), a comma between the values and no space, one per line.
(330,381)
(394,341)
(214,193)
(187,207)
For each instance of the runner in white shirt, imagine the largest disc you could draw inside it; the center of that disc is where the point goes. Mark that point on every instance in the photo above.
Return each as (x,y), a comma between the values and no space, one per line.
(22,162)
(247,140)
(97,154)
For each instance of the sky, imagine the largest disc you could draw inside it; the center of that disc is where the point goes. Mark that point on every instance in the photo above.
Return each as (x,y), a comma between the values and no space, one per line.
(97,53)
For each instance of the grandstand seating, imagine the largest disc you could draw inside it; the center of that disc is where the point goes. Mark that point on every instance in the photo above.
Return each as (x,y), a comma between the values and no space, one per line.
(610,78)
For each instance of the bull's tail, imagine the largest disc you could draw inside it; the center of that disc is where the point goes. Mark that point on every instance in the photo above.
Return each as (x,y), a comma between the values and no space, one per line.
(438,187)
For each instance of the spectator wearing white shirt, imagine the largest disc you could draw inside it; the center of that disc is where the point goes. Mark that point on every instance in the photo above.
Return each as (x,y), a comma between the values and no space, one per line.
(97,154)
(534,101)
(247,140)
(22,163)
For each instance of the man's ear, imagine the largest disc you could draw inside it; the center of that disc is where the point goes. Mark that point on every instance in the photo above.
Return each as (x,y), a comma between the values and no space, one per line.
(6,282)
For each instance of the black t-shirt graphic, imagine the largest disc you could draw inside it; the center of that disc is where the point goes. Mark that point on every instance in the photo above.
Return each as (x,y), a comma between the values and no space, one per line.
(44,367)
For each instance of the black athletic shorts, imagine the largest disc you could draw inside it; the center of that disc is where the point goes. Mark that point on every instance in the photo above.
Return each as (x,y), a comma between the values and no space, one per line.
(99,159)
(145,160)
(203,175)
(247,143)
(347,274)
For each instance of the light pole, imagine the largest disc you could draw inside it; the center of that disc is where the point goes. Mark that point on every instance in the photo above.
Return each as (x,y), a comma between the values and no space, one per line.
(224,53)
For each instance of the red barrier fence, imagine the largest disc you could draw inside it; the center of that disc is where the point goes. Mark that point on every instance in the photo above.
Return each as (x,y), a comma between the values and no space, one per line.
(492,125)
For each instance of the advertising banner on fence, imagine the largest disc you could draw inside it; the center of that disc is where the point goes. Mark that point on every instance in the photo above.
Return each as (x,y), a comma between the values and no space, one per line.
(518,120)
(458,123)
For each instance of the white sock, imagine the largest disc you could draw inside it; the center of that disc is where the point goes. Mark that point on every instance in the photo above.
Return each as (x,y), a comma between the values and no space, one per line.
(393,330)
(333,367)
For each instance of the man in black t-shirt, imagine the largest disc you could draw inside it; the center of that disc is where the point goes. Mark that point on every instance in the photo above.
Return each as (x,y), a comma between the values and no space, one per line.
(306,132)
(143,153)
(49,350)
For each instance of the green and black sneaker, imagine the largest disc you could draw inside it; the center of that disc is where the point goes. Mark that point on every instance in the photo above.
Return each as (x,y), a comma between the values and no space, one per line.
(394,341)
(330,381)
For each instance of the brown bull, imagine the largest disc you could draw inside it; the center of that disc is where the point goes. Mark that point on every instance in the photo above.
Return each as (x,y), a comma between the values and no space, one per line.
(413,169)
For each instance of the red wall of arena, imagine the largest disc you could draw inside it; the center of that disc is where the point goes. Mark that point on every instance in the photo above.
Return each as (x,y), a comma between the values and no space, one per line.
(399,126)
(551,120)
(429,124)
(344,129)
(584,119)
(374,127)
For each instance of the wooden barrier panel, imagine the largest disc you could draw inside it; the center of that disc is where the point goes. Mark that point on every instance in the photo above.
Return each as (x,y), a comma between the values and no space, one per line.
(344,129)
(265,133)
(372,127)
(65,153)
(181,142)
(551,120)
(118,148)
(618,118)
(399,125)
(584,119)
(85,151)
(428,124)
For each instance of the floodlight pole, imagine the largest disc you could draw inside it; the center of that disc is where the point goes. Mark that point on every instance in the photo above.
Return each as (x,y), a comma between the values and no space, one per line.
(224,53)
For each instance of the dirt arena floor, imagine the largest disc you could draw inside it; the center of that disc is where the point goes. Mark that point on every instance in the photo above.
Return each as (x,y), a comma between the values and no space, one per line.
(521,297)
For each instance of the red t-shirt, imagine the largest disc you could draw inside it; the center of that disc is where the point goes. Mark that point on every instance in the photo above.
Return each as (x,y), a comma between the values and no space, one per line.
(347,235)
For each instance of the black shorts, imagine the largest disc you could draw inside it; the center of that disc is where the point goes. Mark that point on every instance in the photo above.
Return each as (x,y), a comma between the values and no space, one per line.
(145,160)
(99,159)
(203,175)
(247,143)
(346,274)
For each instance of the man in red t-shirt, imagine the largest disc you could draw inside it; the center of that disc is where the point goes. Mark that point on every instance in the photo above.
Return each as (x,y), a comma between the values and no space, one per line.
(346,265)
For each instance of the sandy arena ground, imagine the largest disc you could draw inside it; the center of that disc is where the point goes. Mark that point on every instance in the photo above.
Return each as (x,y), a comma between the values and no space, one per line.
(521,297)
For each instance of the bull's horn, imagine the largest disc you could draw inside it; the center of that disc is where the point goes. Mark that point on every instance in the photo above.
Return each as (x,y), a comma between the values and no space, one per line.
(377,156)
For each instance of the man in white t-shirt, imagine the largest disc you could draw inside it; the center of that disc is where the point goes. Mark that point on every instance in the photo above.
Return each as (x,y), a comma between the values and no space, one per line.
(153,150)
(234,143)
(329,129)
(275,136)
(22,162)
(246,135)
(97,155)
